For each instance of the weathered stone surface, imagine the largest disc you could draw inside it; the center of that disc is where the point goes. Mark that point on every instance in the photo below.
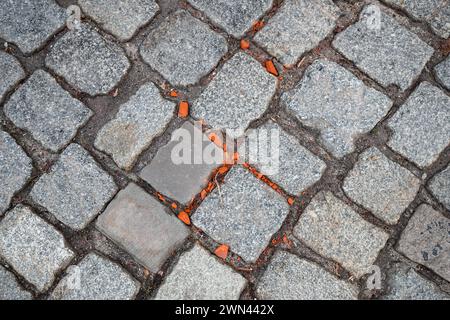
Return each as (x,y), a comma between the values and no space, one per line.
(138,223)
(121,18)
(239,93)
(200,276)
(297,27)
(244,214)
(331,99)
(99,279)
(32,247)
(426,240)
(390,54)
(406,284)
(138,121)
(440,187)
(12,72)
(15,169)
(47,111)
(183,49)
(180,177)
(290,278)
(29,23)
(76,189)
(236,17)
(88,61)
(10,288)
(334,230)
(381,185)
(443,72)
(421,128)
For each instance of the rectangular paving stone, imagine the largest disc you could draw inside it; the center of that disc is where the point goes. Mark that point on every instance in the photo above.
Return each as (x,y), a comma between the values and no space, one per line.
(183,178)
(30,23)
(426,240)
(244,214)
(390,54)
(99,279)
(42,107)
(381,185)
(142,118)
(87,61)
(239,94)
(331,99)
(32,247)
(12,73)
(15,169)
(139,224)
(442,71)
(334,230)
(75,189)
(200,276)
(297,27)
(440,187)
(290,278)
(236,17)
(427,115)
(10,288)
(183,49)
(121,18)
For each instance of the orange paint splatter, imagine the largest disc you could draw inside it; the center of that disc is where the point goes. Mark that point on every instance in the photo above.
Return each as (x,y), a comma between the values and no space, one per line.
(173,93)
(174,205)
(245,44)
(222,251)
(203,194)
(183,216)
(183,110)
(257,25)
(290,201)
(223,170)
(270,67)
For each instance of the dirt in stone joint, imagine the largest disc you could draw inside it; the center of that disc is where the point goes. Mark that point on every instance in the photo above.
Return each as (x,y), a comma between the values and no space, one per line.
(106,106)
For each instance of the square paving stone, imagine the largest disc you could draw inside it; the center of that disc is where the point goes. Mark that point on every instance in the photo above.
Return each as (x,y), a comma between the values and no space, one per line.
(331,99)
(29,23)
(426,240)
(297,27)
(183,178)
(406,284)
(443,72)
(236,17)
(244,214)
(421,127)
(121,18)
(435,12)
(440,187)
(334,230)
(138,121)
(10,288)
(87,61)
(139,223)
(15,169)
(32,247)
(390,54)
(47,111)
(12,73)
(290,278)
(200,276)
(183,49)
(99,279)
(381,185)
(76,189)
(240,93)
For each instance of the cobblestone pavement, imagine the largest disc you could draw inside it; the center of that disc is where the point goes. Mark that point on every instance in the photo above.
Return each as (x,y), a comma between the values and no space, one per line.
(92,207)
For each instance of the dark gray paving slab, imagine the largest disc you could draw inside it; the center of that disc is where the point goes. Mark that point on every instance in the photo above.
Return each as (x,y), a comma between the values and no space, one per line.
(440,187)
(12,73)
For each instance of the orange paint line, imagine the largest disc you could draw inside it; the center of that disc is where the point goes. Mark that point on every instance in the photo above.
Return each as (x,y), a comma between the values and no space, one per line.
(183,216)
(222,251)
(245,44)
(270,67)
(183,110)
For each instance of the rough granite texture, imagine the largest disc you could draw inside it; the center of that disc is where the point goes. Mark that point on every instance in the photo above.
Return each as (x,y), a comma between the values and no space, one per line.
(244,214)
(75,189)
(200,276)
(442,71)
(427,111)
(88,61)
(32,247)
(248,89)
(139,223)
(331,99)
(390,55)
(381,185)
(42,107)
(12,73)
(183,49)
(290,278)
(334,230)
(440,187)
(10,288)
(138,121)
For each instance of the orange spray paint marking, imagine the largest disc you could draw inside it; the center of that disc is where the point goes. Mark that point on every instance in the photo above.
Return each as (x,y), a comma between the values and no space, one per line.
(222,251)
(174,205)
(257,25)
(173,93)
(183,216)
(290,201)
(270,67)
(183,110)
(245,44)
